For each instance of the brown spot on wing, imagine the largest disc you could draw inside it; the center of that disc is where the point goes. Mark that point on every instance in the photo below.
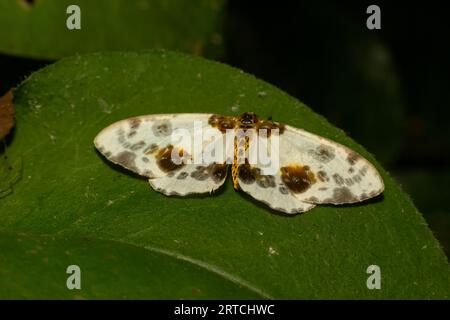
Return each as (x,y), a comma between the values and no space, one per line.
(170,174)
(353,157)
(120,135)
(363,196)
(138,145)
(201,173)
(165,161)
(217,172)
(183,175)
(349,181)
(162,128)
(151,149)
(323,176)
(131,134)
(363,171)
(222,123)
(283,190)
(343,195)
(267,126)
(215,119)
(135,123)
(297,178)
(247,120)
(338,179)
(248,175)
(312,199)
(266,181)
(322,153)
(126,159)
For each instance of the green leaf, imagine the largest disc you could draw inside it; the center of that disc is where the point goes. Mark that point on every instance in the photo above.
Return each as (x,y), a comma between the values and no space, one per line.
(38,28)
(69,192)
(9,175)
(108,269)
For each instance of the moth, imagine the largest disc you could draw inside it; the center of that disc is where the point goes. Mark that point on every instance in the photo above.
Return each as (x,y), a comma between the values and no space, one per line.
(307,169)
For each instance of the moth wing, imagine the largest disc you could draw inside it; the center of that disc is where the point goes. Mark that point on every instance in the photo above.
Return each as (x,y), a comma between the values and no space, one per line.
(269,189)
(335,173)
(306,170)
(265,185)
(192,179)
(145,145)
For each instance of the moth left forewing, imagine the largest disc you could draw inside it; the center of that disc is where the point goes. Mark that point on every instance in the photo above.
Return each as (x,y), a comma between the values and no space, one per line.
(136,143)
(333,173)
(145,145)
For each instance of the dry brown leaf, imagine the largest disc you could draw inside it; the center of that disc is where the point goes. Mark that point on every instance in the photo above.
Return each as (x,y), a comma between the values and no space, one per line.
(7,113)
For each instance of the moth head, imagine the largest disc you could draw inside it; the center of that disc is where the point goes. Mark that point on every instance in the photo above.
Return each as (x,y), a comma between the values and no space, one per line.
(248,118)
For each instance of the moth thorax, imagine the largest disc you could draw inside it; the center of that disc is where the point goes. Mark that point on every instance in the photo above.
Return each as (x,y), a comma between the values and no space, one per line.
(248,119)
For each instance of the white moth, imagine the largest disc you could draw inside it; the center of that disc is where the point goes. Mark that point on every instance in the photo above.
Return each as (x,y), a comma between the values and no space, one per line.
(310,169)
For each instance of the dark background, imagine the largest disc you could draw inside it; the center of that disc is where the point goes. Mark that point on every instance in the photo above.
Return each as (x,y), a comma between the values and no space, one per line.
(388,88)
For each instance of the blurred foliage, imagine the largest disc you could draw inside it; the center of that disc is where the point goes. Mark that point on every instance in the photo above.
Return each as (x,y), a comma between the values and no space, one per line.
(35,28)
(327,58)
(221,245)
(430,192)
